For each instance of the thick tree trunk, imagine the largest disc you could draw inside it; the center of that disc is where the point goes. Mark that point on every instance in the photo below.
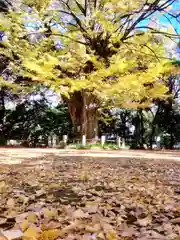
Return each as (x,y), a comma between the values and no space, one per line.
(171,123)
(83,111)
(153,128)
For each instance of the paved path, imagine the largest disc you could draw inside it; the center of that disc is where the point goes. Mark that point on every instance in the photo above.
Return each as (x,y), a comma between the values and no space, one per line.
(18,155)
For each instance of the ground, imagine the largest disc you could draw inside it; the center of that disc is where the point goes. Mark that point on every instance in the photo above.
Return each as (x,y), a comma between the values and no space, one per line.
(58,194)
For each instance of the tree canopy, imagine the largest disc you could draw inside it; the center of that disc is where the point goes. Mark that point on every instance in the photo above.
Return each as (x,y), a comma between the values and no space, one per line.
(106,48)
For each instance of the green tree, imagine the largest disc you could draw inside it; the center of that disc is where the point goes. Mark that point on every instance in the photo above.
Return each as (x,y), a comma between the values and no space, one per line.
(34,120)
(166,118)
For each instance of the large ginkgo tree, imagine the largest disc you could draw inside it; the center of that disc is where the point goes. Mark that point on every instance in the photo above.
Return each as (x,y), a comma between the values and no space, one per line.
(96,53)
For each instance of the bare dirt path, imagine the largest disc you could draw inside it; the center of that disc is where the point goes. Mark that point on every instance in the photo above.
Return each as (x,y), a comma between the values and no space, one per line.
(19,155)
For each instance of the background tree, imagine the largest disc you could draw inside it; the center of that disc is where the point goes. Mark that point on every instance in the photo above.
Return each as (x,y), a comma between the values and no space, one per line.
(33,118)
(166,117)
(34,121)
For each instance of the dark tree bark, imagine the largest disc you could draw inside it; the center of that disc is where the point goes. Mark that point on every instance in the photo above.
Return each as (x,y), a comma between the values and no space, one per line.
(139,129)
(5,5)
(83,111)
(2,115)
(142,141)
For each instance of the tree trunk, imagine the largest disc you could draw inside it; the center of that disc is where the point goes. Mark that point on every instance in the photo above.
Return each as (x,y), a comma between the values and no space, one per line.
(153,129)
(3,137)
(139,129)
(142,140)
(83,111)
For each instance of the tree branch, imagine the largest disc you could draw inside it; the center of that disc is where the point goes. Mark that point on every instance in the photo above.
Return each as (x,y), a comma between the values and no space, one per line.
(152,52)
(55,34)
(74,16)
(152,8)
(154,31)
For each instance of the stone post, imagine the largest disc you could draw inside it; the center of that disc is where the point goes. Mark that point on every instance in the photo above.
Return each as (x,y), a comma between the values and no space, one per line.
(49,141)
(118,141)
(54,141)
(123,143)
(103,140)
(65,139)
(158,142)
(84,140)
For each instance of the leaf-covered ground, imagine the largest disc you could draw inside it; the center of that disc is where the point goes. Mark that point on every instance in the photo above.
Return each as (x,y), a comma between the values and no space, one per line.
(91,198)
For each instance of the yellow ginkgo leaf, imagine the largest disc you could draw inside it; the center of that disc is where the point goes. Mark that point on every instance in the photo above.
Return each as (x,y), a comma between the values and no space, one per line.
(49,213)
(49,234)
(32,218)
(3,186)
(24,225)
(31,233)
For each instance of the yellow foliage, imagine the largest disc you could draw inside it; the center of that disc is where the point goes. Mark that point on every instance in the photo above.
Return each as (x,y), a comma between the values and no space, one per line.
(99,55)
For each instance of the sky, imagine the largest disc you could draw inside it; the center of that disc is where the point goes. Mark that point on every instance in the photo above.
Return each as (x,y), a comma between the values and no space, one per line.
(163,19)
(175,23)
(167,23)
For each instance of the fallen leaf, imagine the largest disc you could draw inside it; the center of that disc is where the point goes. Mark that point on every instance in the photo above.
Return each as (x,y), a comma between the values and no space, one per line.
(54,185)
(40,192)
(119,220)
(49,213)
(21,217)
(49,234)
(3,187)
(12,234)
(12,213)
(144,221)
(24,225)
(32,218)
(84,177)
(23,199)
(176,220)
(156,235)
(10,203)
(2,220)
(91,207)
(69,228)
(31,233)
(94,228)
(111,235)
(101,235)
(79,214)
